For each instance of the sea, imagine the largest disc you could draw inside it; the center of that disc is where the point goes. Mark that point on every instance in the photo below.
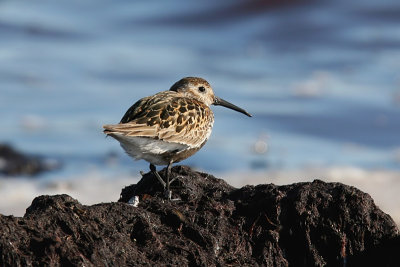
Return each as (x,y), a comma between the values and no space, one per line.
(321,79)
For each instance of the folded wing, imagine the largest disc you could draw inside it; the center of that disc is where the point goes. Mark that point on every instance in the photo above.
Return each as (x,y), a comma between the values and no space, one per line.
(166,117)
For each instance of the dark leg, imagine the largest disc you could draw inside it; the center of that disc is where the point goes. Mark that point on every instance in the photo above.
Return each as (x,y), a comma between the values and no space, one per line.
(154,171)
(168,191)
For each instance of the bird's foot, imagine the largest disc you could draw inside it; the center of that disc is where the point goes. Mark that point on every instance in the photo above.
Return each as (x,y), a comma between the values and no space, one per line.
(168,191)
(168,196)
(166,185)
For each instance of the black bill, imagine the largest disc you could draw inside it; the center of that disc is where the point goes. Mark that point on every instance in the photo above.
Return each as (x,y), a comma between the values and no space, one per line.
(220,102)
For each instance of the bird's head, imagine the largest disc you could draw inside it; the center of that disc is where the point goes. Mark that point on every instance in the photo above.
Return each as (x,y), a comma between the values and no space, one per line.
(200,89)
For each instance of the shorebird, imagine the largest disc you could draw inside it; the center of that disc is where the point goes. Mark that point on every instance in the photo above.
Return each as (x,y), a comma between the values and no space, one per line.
(169,126)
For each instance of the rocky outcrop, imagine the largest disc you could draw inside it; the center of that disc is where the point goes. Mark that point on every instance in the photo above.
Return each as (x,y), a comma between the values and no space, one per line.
(213,224)
(13,162)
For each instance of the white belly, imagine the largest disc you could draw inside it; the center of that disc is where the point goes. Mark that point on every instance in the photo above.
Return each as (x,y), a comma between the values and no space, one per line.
(148,149)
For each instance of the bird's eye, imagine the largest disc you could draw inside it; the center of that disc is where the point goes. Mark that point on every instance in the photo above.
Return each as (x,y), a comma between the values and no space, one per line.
(202,89)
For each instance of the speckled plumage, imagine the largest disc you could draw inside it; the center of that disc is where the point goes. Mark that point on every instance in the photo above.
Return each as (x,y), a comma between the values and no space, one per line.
(169,126)
(166,117)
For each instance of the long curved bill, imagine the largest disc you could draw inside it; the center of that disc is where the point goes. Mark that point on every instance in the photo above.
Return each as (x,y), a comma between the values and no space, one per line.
(220,102)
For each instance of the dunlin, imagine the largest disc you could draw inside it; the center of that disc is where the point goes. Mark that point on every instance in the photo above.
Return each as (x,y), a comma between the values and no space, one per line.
(169,126)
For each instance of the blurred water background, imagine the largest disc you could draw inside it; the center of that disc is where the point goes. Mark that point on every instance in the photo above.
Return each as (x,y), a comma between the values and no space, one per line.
(321,78)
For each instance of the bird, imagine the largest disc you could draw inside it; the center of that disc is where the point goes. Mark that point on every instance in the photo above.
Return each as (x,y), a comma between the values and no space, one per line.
(169,126)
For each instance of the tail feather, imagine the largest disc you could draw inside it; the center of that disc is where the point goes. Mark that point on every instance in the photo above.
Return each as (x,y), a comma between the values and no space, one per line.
(127,129)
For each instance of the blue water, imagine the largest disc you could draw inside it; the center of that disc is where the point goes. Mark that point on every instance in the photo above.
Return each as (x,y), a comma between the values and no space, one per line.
(321,78)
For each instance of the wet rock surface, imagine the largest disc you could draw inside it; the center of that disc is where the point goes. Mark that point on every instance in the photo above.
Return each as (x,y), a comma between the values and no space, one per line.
(13,163)
(213,224)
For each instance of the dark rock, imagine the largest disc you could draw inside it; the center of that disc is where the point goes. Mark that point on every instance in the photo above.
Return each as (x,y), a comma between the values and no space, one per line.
(214,224)
(13,163)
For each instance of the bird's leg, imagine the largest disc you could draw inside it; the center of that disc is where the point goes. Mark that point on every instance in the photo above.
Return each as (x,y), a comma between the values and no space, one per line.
(154,171)
(173,180)
(168,192)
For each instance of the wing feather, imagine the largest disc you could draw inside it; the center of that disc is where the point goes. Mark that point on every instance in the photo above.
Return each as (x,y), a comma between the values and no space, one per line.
(168,117)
